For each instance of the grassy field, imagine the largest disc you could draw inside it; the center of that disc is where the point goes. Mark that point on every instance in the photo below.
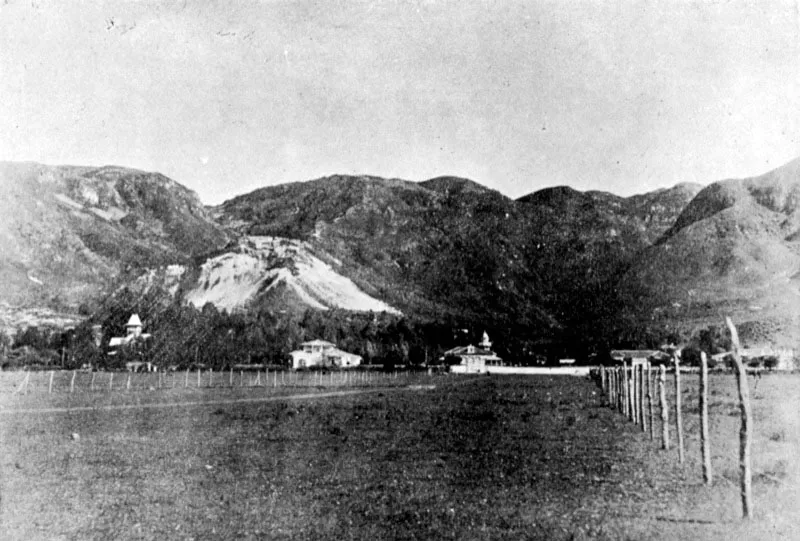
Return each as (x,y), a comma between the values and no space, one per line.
(473,458)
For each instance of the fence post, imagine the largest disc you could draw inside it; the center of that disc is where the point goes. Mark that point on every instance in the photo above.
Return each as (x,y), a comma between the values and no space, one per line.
(635,385)
(602,379)
(662,397)
(629,384)
(72,383)
(678,412)
(50,387)
(704,442)
(186,379)
(198,377)
(744,430)
(111,382)
(91,385)
(230,377)
(128,382)
(211,377)
(642,416)
(650,399)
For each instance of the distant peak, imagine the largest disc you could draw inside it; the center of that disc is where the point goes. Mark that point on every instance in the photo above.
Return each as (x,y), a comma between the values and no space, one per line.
(453,185)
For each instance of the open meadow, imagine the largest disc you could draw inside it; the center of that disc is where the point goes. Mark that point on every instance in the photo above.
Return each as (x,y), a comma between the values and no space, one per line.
(436,457)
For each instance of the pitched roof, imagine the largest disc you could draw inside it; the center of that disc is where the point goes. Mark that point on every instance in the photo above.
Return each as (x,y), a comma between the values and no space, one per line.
(633,353)
(134,321)
(469,350)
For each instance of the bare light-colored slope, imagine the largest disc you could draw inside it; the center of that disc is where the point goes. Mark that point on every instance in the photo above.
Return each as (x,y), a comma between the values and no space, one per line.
(263,269)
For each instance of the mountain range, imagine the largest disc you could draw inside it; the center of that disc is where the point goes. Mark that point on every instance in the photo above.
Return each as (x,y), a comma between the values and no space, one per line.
(557,265)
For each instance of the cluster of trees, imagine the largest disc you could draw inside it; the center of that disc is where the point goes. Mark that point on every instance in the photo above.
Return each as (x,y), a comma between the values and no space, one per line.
(184,336)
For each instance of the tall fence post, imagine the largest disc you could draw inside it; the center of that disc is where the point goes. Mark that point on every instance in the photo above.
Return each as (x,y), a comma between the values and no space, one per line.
(744,430)
(50,387)
(603,379)
(642,416)
(704,441)
(186,379)
(634,395)
(662,398)
(72,383)
(648,375)
(678,409)
(111,382)
(631,401)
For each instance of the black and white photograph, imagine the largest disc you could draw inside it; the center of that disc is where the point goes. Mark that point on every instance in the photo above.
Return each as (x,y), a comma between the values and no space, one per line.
(399,270)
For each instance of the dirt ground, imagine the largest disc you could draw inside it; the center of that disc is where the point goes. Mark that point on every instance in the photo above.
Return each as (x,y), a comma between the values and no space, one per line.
(474,458)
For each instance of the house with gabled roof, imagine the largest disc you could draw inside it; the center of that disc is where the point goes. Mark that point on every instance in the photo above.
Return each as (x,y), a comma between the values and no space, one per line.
(472,359)
(321,353)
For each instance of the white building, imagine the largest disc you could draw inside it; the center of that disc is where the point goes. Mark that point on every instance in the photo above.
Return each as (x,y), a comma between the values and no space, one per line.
(472,359)
(324,354)
(133,334)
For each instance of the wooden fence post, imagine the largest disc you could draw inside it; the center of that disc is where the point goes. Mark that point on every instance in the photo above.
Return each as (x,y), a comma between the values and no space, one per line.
(650,399)
(744,431)
(111,382)
(678,412)
(704,441)
(91,385)
(72,383)
(198,378)
(128,382)
(186,379)
(50,387)
(662,397)
(631,390)
(241,378)
(602,379)
(620,391)
(211,377)
(642,416)
(634,395)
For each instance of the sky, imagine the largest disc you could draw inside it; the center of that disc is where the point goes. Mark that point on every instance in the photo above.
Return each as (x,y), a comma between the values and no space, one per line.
(226,97)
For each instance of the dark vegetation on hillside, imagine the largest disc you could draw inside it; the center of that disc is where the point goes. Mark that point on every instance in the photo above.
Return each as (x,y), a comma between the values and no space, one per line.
(544,267)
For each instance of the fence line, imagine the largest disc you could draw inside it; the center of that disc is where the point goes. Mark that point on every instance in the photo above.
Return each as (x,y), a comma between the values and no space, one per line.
(76,381)
(625,388)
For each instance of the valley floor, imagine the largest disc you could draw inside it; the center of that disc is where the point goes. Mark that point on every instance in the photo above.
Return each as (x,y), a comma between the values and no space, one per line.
(490,457)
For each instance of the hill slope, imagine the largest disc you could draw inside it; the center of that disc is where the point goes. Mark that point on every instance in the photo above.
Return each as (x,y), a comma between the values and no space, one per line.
(733,250)
(68,234)
(451,248)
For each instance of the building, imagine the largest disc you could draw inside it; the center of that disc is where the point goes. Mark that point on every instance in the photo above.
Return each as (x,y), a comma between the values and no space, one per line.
(320,353)
(133,335)
(636,356)
(472,359)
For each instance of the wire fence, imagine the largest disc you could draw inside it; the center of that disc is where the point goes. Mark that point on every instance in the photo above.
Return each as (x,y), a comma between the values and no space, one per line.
(81,382)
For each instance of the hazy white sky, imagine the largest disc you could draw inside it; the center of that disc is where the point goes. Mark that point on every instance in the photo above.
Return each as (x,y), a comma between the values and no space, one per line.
(226,97)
